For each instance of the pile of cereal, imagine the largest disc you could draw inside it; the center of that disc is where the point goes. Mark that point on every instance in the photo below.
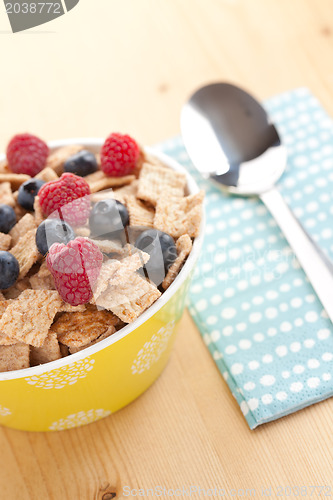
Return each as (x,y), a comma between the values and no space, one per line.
(87,243)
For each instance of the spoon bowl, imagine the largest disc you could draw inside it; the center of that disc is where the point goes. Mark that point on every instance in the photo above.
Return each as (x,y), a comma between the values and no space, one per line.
(243,152)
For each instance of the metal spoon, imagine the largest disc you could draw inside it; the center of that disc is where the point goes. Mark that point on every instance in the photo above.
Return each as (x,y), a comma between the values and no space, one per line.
(231,140)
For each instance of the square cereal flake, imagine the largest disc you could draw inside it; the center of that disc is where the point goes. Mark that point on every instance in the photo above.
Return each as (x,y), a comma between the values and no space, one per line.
(155,181)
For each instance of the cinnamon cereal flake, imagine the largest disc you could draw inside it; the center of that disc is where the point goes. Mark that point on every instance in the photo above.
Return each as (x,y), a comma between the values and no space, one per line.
(49,351)
(39,217)
(14,357)
(110,331)
(15,180)
(6,195)
(155,181)
(5,241)
(98,181)
(117,272)
(28,318)
(139,213)
(80,328)
(47,175)
(184,247)
(130,299)
(26,252)
(22,227)
(179,216)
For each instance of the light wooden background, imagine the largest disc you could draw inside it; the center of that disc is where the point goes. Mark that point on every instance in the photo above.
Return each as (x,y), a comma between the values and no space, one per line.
(128,65)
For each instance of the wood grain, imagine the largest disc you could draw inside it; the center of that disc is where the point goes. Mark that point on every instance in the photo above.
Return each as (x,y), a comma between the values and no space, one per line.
(129,66)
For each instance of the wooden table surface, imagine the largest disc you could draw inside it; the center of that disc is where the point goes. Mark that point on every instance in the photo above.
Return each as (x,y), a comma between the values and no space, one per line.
(129,65)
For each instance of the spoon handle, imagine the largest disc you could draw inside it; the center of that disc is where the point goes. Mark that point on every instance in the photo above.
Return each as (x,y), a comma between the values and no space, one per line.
(313,260)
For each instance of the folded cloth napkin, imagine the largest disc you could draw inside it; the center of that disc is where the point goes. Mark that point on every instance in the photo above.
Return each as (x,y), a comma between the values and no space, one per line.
(257,313)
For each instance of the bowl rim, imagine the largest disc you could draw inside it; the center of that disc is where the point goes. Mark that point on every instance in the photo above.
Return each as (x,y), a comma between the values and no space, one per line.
(96,143)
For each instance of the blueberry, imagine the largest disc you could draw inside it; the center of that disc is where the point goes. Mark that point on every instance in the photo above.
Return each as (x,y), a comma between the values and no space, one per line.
(27,193)
(9,270)
(108,219)
(53,231)
(162,250)
(82,163)
(7,218)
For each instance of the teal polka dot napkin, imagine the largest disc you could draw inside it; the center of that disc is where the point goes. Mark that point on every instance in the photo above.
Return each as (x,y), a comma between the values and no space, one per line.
(257,313)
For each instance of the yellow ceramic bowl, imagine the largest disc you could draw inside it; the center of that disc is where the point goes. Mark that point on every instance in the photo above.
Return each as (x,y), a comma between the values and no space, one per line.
(101,379)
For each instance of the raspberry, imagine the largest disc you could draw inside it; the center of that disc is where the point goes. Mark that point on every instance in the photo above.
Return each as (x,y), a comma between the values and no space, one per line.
(27,154)
(67,198)
(119,155)
(75,268)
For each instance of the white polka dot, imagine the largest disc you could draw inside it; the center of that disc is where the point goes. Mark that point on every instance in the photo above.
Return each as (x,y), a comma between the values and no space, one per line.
(211,320)
(216,299)
(201,305)
(285,326)
(323,334)
(257,300)
(285,287)
(217,355)
(229,292)
(267,399)
(311,316)
(309,343)
(222,242)
(196,288)
(327,356)
(235,237)
(267,380)
(215,335)
(298,369)
(248,266)
(295,347)
(255,317)
(313,382)
(228,313)
(296,386)
(209,282)
(206,339)
(235,253)
(220,258)
(230,349)
(253,365)
(244,408)
(271,332)
(206,266)
(283,307)
(237,368)
(241,327)
(298,322)
(245,344)
(242,285)
(271,312)
(245,306)
(298,282)
(249,386)
(247,214)
(313,363)
(221,225)
(258,337)
(259,243)
(281,350)
(253,403)
(296,302)
(227,331)
(310,298)
(285,374)
(326,377)
(281,396)
(255,280)
(267,358)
